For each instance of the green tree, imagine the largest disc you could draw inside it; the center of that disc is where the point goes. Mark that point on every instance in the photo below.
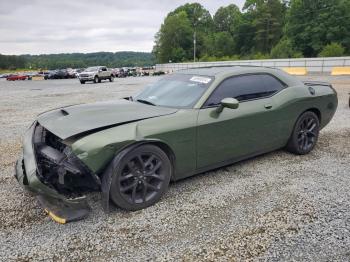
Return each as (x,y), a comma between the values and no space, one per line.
(332,50)
(285,49)
(223,44)
(198,16)
(174,40)
(183,24)
(202,26)
(313,24)
(245,34)
(12,62)
(227,21)
(268,22)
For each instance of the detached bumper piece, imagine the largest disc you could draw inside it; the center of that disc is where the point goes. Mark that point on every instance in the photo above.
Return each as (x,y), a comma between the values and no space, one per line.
(63,212)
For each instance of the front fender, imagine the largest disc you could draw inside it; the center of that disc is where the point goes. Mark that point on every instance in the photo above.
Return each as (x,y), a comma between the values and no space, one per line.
(98,149)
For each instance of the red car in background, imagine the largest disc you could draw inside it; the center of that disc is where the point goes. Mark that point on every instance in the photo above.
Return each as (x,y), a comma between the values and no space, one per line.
(16,77)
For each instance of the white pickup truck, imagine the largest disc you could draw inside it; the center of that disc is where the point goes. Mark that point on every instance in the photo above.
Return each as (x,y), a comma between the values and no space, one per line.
(96,74)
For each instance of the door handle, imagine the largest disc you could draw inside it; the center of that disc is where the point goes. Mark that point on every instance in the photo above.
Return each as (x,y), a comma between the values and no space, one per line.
(268,106)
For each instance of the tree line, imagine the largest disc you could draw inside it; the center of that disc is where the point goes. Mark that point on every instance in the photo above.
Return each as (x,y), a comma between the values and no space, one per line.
(263,29)
(77,60)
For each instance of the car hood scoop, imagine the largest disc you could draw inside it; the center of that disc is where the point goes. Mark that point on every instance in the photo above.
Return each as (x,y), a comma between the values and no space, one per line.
(74,120)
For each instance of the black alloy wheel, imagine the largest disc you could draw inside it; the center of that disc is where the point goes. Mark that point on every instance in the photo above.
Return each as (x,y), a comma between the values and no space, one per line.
(305,134)
(141,178)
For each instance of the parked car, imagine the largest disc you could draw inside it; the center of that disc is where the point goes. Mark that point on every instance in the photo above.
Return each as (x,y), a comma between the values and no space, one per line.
(77,72)
(122,73)
(147,71)
(132,72)
(115,72)
(96,74)
(16,77)
(159,73)
(71,73)
(186,123)
(57,74)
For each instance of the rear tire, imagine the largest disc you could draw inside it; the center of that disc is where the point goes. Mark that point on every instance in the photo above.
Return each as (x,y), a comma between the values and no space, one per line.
(111,79)
(305,134)
(140,178)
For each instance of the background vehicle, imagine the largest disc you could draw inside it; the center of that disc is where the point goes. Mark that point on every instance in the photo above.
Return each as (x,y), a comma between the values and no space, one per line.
(147,71)
(132,72)
(57,74)
(158,73)
(186,123)
(71,73)
(16,77)
(122,73)
(96,74)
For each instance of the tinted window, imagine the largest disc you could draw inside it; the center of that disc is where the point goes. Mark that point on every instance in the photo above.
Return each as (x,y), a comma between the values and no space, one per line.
(245,87)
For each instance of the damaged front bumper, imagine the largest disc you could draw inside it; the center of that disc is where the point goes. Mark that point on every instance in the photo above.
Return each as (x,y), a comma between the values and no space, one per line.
(59,207)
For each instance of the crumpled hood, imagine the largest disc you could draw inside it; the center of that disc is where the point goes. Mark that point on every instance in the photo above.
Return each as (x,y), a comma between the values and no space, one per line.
(73,120)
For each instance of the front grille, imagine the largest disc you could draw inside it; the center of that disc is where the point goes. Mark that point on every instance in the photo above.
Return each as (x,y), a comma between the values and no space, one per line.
(58,167)
(84,75)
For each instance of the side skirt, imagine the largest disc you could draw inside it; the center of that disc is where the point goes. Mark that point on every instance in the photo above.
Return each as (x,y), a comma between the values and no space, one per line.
(225,163)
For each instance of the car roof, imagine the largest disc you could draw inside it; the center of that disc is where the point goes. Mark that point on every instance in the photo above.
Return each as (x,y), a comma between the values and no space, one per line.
(221,72)
(216,70)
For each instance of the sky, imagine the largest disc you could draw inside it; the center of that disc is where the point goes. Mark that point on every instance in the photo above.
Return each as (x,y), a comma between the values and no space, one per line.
(67,26)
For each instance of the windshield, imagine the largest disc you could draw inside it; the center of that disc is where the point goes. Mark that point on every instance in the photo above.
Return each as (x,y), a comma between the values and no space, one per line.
(91,69)
(177,90)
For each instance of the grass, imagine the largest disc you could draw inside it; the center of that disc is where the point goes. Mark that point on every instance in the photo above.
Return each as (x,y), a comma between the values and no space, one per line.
(8,71)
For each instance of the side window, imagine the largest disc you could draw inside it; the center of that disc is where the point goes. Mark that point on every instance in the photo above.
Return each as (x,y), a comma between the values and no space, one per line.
(104,69)
(245,87)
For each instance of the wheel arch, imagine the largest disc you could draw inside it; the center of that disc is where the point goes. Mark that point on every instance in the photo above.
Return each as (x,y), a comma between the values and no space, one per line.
(316,111)
(163,146)
(311,109)
(167,150)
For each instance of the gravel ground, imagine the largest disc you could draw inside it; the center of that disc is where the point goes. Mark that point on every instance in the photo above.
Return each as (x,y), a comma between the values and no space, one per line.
(274,207)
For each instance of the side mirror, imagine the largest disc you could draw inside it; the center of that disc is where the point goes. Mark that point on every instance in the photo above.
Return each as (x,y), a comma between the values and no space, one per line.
(231,103)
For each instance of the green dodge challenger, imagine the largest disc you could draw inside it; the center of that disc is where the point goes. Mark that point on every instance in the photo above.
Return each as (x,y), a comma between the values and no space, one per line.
(186,123)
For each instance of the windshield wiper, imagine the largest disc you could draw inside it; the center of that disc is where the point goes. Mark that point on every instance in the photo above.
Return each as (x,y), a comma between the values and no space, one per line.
(145,102)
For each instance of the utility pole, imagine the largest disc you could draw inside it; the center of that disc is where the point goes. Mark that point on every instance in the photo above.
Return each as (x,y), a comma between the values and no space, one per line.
(194,45)
(195,38)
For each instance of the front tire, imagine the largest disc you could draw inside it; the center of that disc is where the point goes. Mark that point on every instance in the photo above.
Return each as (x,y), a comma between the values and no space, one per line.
(305,134)
(96,80)
(111,79)
(141,178)
(82,82)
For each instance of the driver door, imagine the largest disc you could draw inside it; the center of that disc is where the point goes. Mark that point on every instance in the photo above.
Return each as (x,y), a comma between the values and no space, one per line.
(235,134)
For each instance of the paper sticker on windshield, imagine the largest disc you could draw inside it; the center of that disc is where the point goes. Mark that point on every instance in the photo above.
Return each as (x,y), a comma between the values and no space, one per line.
(200,79)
